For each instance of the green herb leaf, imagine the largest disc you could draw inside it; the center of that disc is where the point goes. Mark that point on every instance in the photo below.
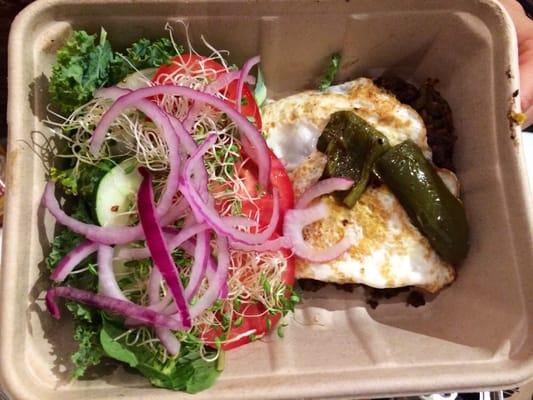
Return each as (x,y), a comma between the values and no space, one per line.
(331,72)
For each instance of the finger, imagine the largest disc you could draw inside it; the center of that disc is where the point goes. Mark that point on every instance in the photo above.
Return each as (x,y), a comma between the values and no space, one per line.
(526,73)
(523,25)
(529,118)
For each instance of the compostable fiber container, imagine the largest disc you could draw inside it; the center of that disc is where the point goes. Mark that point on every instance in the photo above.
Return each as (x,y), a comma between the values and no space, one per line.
(474,334)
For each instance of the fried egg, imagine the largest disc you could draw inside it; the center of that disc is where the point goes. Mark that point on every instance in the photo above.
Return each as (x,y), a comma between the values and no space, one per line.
(390,252)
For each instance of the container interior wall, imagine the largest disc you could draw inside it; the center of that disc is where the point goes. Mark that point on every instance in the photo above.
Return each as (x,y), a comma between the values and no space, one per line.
(481,318)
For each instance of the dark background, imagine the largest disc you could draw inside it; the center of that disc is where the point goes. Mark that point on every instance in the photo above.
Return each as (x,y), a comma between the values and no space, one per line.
(8,10)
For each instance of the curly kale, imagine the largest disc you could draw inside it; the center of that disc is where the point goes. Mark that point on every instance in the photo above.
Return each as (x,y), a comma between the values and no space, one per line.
(86,63)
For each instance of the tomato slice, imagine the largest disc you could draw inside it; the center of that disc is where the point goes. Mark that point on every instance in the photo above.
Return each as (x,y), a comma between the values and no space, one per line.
(279,180)
(195,65)
(254,315)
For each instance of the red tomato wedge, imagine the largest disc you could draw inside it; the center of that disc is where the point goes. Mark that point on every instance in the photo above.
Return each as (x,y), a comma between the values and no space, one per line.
(194,65)
(255,315)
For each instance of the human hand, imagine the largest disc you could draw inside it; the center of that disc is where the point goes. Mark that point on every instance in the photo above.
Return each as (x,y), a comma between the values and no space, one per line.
(524,30)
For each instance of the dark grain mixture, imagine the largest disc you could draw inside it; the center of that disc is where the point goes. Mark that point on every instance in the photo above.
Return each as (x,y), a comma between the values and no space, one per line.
(434,110)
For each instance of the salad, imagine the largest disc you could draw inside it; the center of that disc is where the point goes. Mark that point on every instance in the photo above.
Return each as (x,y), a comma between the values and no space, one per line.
(182,231)
(171,250)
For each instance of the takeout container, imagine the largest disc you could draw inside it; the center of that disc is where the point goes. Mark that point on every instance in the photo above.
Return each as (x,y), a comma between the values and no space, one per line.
(475,334)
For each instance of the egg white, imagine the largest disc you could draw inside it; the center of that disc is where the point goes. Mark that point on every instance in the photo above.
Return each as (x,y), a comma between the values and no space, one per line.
(389,252)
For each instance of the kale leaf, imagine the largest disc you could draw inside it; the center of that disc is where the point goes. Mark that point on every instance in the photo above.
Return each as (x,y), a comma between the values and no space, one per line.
(90,351)
(85,64)
(82,179)
(142,54)
(81,67)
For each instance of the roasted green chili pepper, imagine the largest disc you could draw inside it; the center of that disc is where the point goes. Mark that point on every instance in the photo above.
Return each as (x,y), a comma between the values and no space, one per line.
(351,145)
(433,209)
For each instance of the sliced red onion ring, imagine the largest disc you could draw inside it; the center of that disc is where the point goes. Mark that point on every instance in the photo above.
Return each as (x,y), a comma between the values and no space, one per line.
(296,220)
(279,243)
(158,247)
(205,213)
(233,220)
(211,266)
(202,252)
(246,68)
(217,85)
(127,309)
(107,283)
(129,253)
(72,259)
(254,145)
(216,283)
(185,139)
(162,121)
(225,79)
(165,336)
(323,187)
(154,284)
(168,340)
(104,235)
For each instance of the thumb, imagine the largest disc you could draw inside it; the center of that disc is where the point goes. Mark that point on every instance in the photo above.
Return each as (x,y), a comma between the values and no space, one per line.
(526,78)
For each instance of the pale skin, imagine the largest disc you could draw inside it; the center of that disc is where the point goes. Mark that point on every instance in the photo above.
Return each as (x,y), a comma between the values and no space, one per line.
(524,30)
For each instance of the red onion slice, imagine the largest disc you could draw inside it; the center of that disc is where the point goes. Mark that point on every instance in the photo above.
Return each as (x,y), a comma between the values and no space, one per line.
(202,252)
(254,145)
(279,243)
(95,233)
(72,259)
(206,213)
(107,282)
(296,220)
(225,79)
(165,336)
(246,68)
(154,283)
(174,241)
(211,267)
(161,120)
(168,340)
(221,82)
(104,235)
(245,222)
(158,247)
(323,187)
(124,308)
(217,282)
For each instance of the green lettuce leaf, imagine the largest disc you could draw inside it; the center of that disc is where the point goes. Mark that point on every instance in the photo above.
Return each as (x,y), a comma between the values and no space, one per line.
(188,372)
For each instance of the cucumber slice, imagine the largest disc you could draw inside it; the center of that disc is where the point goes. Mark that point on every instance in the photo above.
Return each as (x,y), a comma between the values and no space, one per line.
(137,79)
(116,194)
